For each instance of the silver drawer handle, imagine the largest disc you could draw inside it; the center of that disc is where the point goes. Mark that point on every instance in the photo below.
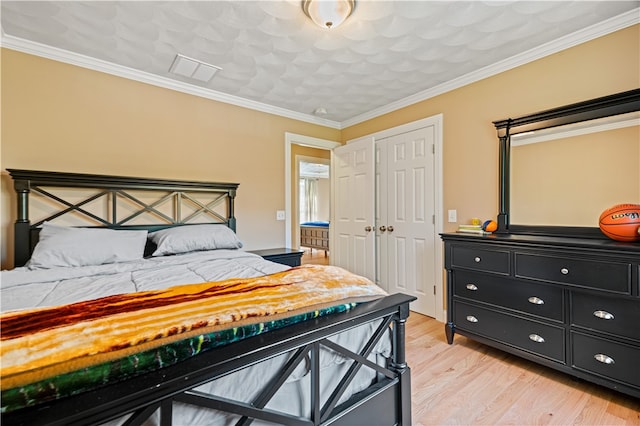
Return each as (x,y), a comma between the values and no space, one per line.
(471,318)
(603,315)
(564,271)
(535,300)
(536,338)
(472,287)
(604,359)
(477,259)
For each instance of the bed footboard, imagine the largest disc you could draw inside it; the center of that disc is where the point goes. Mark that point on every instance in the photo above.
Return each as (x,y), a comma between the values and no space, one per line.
(386,401)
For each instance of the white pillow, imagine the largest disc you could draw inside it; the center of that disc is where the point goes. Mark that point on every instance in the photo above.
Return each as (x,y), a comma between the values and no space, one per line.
(61,246)
(187,238)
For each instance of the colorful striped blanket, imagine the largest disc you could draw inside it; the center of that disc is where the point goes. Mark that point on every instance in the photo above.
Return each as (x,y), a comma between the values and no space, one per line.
(116,337)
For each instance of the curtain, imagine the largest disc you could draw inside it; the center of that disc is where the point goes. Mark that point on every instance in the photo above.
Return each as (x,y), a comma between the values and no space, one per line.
(308,199)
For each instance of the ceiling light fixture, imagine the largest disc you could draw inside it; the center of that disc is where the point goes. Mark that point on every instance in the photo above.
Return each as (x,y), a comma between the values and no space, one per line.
(328,13)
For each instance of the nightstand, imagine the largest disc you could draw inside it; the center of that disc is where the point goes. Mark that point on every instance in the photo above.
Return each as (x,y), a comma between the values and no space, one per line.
(286,256)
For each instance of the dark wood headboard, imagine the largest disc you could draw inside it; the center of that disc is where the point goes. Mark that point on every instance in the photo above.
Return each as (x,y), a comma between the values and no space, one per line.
(118,190)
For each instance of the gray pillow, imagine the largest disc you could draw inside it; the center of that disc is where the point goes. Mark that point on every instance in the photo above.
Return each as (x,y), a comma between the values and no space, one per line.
(188,238)
(62,246)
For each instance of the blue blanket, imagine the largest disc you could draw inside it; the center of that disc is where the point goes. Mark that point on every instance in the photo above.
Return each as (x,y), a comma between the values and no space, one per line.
(317,223)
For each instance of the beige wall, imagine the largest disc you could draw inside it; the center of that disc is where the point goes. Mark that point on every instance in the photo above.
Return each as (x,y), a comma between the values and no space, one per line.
(600,67)
(60,117)
(64,118)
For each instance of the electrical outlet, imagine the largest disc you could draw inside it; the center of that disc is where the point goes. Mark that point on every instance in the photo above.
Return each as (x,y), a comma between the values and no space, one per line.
(453,216)
(280,215)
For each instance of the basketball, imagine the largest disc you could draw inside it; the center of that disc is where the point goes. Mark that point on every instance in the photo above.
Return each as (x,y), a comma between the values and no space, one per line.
(490,225)
(621,222)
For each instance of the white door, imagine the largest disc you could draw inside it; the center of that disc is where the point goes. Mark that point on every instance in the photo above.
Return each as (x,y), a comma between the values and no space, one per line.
(405,213)
(352,238)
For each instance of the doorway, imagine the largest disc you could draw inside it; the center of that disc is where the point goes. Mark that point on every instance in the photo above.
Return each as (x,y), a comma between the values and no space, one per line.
(295,143)
(313,203)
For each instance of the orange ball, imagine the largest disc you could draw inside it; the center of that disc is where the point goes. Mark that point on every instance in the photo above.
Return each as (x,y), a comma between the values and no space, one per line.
(621,222)
(490,225)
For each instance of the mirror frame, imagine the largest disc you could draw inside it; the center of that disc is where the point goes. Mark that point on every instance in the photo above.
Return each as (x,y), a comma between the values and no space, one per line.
(606,106)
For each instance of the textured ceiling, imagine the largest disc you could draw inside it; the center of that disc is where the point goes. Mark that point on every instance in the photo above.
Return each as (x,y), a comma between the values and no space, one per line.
(271,53)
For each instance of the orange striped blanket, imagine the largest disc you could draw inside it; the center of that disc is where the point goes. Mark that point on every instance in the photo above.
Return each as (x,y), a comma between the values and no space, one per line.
(40,343)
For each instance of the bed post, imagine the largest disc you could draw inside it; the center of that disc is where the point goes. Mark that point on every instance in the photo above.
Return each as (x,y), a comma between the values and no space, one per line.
(232,218)
(399,364)
(22,226)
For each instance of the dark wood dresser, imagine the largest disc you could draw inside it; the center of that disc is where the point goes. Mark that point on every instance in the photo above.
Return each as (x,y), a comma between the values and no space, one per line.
(572,304)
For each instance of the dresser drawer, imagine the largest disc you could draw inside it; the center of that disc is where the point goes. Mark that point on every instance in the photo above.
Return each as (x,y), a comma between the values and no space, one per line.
(480,259)
(611,315)
(536,299)
(541,339)
(314,232)
(606,359)
(602,275)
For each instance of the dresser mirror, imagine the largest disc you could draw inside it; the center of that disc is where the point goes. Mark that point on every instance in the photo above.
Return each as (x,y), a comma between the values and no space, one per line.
(560,168)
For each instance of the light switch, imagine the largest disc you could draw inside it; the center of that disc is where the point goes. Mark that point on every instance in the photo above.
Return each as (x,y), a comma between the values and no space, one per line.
(453,216)
(280,215)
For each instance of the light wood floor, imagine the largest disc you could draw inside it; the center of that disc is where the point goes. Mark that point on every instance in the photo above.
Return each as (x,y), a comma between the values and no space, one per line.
(315,256)
(468,383)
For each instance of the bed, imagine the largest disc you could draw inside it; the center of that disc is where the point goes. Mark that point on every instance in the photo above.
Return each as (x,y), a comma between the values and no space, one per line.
(259,357)
(315,235)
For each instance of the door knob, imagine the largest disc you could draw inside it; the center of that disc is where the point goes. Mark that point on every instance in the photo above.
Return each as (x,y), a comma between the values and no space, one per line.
(390,228)
(382,228)
(367,228)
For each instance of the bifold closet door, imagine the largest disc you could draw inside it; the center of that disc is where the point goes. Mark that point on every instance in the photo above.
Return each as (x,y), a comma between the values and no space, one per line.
(352,241)
(405,209)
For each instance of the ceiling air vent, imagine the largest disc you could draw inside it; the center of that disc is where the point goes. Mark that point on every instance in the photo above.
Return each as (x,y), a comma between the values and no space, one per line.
(192,68)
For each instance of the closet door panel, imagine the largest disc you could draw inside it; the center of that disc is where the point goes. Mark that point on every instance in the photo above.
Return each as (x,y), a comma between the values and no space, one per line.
(353,189)
(405,227)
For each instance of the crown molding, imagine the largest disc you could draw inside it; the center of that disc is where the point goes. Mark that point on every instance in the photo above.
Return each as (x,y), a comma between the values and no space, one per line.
(65,56)
(600,29)
(619,22)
